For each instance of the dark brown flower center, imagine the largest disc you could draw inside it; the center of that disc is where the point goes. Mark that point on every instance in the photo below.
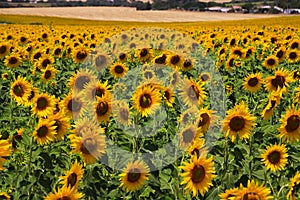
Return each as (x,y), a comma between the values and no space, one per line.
(47,74)
(188,136)
(58,125)
(23,39)
(81,81)
(102,108)
(292,55)
(13,60)
(3,49)
(253,82)
(294,45)
(198,174)
(100,61)
(42,131)
(143,53)
(119,69)
(18,90)
(37,55)
(193,92)
(203,120)
(251,196)
(187,64)
(145,101)
(237,52)
(204,77)
(274,157)
(175,59)
(134,175)
(279,54)
(167,94)
(45,63)
(64,198)
(72,179)
(42,103)
(81,55)
(122,56)
(74,105)
(278,81)
(237,123)
(161,59)
(57,51)
(231,62)
(293,123)
(271,62)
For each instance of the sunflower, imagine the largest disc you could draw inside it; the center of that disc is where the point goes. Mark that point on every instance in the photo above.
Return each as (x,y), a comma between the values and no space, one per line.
(175,61)
(43,105)
(295,44)
(101,61)
(96,89)
(13,60)
(188,116)
(192,93)
(204,119)
(73,177)
(175,80)
(33,92)
(4,196)
(230,63)
(148,74)
(144,54)
(4,49)
(73,104)
(18,136)
(48,73)
(205,77)
(168,96)
(280,53)
(197,147)
(273,102)
(187,65)
(253,191)
(64,193)
(20,90)
(134,176)
(146,100)
(5,76)
(44,61)
(271,62)
(160,59)
(80,53)
(118,70)
(290,125)
(237,51)
(293,56)
(253,82)
(198,174)
(5,149)
(61,125)
(229,194)
(91,145)
(275,157)
(102,109)
(79,80)
(44,132)
(297,95)
(249,52)
(122,57)
(293,193)
(187,135)
(239,121)
(280,80)
(122,113)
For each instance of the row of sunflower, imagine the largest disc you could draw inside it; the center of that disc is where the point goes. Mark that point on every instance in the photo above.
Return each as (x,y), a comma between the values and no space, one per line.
(59,118)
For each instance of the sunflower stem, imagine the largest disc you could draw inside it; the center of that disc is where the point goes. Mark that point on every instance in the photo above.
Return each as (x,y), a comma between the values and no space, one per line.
(29,165)
(250,154)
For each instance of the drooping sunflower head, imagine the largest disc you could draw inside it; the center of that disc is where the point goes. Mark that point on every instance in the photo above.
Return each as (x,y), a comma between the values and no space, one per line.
(168,96)
(79,80)
(204,119)
(229,194)
(294,185)
(198,174)
(118,70)
(275,157)
(96,89)
(134,176)
(197,147)
(103,109)
(253,82)
(61,125)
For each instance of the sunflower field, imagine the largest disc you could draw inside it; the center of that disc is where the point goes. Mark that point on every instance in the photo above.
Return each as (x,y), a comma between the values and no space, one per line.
(125,110)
